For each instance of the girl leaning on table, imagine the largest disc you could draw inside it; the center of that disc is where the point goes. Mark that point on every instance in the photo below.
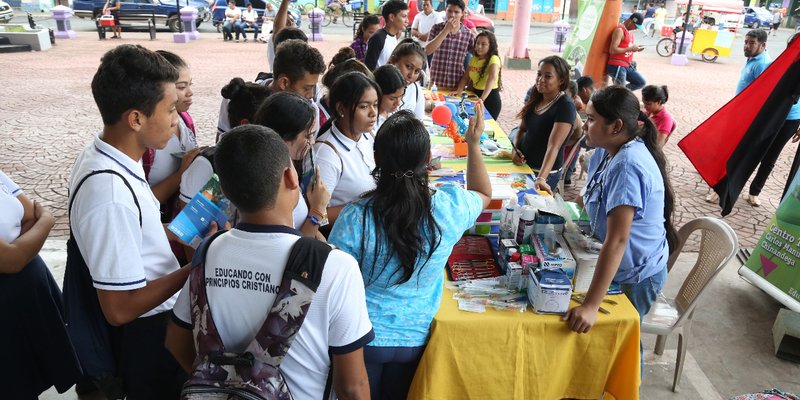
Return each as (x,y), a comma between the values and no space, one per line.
(402,233)
(629,201)
(546,121)
(393,87)
(483,73)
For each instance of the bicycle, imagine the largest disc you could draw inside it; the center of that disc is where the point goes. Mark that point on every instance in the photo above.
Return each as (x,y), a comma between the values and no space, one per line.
(345,14)
(666,47)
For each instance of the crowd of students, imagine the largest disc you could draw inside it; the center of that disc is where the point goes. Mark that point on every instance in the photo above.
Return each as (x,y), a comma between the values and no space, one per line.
(347,163)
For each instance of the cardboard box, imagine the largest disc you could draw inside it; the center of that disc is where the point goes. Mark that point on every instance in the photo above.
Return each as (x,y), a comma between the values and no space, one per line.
(514,276)
(585,263)
(549,291)
(560,258)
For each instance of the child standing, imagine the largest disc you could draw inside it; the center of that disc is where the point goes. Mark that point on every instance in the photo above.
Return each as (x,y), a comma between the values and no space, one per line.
(483,73)
(654,98)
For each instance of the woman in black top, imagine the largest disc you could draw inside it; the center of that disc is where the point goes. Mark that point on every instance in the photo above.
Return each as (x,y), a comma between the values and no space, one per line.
(546,121)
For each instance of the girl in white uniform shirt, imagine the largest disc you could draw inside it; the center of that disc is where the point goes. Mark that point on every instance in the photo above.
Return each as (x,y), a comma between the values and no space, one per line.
(393,87)
(165,170)
(36,342)
(409,58)
(298,133)
(344,150)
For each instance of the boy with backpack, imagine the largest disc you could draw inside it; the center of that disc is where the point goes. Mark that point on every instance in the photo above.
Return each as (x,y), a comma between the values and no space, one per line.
(121,277)
(269,311)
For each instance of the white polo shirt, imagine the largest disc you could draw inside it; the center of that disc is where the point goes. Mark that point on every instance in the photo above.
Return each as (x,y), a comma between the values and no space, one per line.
(120,254)
(357,159)
(11,210)
(337,318)
(164,163)
(423,23)
(414,100)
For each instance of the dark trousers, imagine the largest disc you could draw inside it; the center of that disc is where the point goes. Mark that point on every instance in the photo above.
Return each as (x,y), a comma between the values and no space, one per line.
(493,103)
(792,172)
(768,162)
(391,370)
(148,369)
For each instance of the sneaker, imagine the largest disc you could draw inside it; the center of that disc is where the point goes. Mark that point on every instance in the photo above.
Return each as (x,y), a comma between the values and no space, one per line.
(245,40)
(712,197)
(237,40)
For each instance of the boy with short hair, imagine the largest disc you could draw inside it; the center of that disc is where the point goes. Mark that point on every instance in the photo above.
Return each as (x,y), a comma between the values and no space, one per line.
(382,43)
(297,68)
(450,44)
(257,176)
(115,220)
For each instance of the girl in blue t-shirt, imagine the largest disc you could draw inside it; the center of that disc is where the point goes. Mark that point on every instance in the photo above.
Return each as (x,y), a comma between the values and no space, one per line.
(402,233)
(629,201)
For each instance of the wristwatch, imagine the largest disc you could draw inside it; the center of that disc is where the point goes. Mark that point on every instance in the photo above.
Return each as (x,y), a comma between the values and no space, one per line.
(320,221)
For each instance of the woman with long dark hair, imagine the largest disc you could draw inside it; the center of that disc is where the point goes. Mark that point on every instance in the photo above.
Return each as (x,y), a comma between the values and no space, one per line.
(402,233)
(483,73)
(344,148)
(546,121)
(298,133)
(629,201)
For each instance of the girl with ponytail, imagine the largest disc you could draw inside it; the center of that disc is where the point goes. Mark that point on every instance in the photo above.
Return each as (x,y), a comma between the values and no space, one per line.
(402,233)
(629,201)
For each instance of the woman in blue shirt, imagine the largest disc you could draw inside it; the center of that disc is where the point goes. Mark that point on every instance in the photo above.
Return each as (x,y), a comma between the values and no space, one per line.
(629,201)
(402,233)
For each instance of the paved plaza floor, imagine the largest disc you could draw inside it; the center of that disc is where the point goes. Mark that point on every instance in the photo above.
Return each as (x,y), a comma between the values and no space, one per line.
(48,116)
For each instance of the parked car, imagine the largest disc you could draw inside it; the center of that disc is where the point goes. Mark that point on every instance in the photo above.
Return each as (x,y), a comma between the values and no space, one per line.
(757,17)
(6,13)
(166,11)
(219,6)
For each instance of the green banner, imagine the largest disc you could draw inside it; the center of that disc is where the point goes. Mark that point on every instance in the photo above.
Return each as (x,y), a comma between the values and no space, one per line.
(777,254)
(580,40)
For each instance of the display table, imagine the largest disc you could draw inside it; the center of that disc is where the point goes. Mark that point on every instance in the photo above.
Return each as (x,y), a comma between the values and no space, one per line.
(492,164)
(526,356)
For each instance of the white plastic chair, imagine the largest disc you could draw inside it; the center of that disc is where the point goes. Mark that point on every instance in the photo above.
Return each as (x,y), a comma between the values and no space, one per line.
(718,245)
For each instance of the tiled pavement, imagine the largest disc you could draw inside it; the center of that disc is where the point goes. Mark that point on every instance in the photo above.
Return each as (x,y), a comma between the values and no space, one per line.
(48,113)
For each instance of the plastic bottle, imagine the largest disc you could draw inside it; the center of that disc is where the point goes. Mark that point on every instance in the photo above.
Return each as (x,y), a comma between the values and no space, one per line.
(507,218)
(526,222)
(434,92)
(550,239)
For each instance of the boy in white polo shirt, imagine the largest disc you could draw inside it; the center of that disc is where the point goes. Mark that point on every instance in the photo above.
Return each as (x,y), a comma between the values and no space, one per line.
(115,220)
(244,266)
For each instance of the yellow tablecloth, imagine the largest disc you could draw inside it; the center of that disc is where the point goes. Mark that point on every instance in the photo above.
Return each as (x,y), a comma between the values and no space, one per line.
(510,355)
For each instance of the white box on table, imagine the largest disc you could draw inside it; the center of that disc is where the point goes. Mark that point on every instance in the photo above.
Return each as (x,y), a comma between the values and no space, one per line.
(562,258)
(549,291)
(585,263)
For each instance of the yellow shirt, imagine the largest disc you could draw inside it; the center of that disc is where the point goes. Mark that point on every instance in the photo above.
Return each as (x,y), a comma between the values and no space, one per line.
(474,68)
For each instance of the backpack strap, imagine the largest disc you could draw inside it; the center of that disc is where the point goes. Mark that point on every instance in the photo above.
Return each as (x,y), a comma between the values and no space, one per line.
(187,119)
(329,144)
(105,171)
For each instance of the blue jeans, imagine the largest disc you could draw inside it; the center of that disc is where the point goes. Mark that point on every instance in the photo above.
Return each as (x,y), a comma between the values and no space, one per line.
(227,28)
(390,370)
(642,295)
(621,75)
(244,25)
